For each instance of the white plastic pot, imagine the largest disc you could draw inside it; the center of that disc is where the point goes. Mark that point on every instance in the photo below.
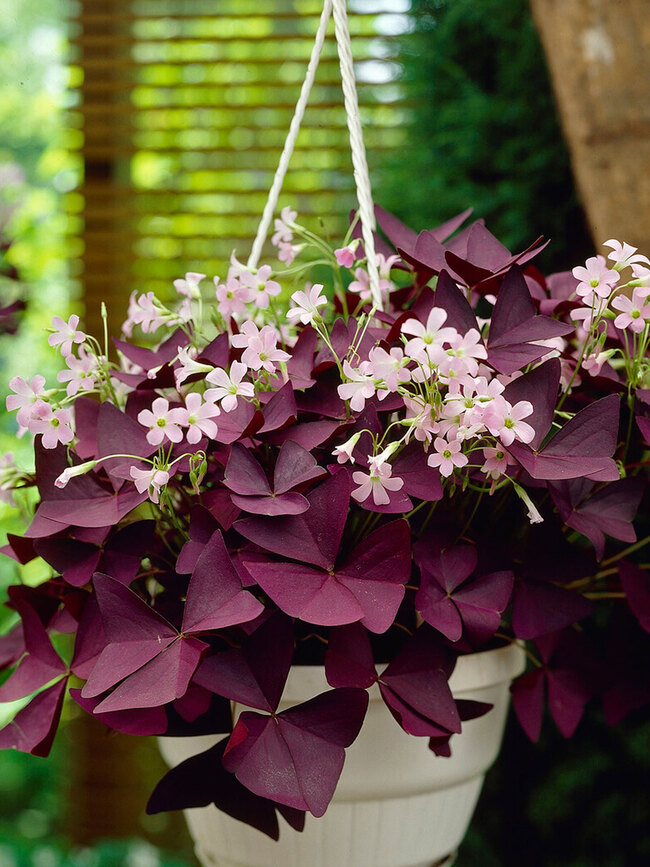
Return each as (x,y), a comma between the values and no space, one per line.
(396,803)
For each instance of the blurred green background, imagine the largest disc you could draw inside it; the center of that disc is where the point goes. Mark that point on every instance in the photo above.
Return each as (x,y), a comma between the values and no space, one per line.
(481,131)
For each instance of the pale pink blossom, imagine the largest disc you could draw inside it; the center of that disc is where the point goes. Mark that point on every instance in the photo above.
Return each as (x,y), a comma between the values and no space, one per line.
(390,368)
(232,297)
(496,462)
(189,285)
(376,483)
(151,480)
(307,304)
(65,334)
(236,268)
(26,395)
(595,278)
(361,286)
(261,287)
(229,388)
(197,417)
(283,228)
(427,340)
(421,419)
(189,366)
(624,254)
(345,256)
(71,472)
(635,311)
(593,363)
(261,349)
(343,453)
(359,387)
(466,349)
(144,311)
(447,456)
(376,462)
(163,422)
(55,426)
(80,373)
(287,252)
(385,265)
(641,276)
(505,421)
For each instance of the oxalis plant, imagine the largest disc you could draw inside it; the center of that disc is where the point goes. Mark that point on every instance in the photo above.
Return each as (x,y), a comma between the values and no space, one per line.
(287,474)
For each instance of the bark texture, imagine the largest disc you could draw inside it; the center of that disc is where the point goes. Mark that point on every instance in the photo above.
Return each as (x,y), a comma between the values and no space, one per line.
(598,54)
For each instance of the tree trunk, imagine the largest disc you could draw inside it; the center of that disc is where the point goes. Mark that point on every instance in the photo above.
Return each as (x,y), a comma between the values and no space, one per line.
(598,54)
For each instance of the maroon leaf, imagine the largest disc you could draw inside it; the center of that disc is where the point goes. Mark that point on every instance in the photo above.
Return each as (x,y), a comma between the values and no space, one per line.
(250,675)
(215,596)
(636,585)
(296,757)
(583,447)
(349,659)
(539,608)
(41,664)
(202,780)
(528,701)
(539,386)
(143,722)
(33,728)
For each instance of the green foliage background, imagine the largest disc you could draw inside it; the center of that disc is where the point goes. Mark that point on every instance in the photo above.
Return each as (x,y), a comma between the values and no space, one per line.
(484,134)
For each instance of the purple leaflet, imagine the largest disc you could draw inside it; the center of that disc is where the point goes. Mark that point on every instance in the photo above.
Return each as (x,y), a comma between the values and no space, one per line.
(251,675)
(609,510)
(159,681)
(515,325)
(202,526)
(135,632)
(583,447)
(117,434)
(251,490)
(12,646)
(142,722)
(33,728)
(540,608)
(636,585)
(415,686)
(369,587)
(314,535)
(42,663)
(280,410)
(296,757)
(420,480)
(452,604)
(202,780)
(90,640)
(349,660)
(450,298)
(215,596)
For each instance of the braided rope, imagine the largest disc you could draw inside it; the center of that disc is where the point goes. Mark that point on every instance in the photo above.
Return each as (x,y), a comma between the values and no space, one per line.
(294,129)
(359,162)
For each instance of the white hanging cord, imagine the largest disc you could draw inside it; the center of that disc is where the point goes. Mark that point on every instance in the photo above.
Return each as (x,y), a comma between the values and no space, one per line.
(359,162)
(294,129)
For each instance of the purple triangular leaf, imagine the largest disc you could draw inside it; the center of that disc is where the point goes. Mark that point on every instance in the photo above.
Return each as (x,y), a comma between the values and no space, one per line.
(540,387)
(33,728)
(215,596)
(349,659)
(243,474)
(539,608)
(143,722)
(41,664)
(636,584)
(294,466)
(528,701)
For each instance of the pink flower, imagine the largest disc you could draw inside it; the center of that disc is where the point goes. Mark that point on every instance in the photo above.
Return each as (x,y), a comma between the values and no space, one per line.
(228,388)
(232,297)
(464,352)
(446,456)
(197,417)
(65,334)
(80,372)
(422,420)
(624,254)
(163,422)
(595,278)
(288,252)
(189,285)
(427,341)
(262,289)
(389,367)
(496,462)
(145,312)
(345,256)
(359,387)
(378,482)
(344,453)
(54,426)
(283,228)
(261,347)
(635,311)
(151,480)
(505,421)
(188,365)
(306,309)
(27,394)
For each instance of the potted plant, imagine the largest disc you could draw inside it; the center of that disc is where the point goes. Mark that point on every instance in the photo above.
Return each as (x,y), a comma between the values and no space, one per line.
(294,490)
